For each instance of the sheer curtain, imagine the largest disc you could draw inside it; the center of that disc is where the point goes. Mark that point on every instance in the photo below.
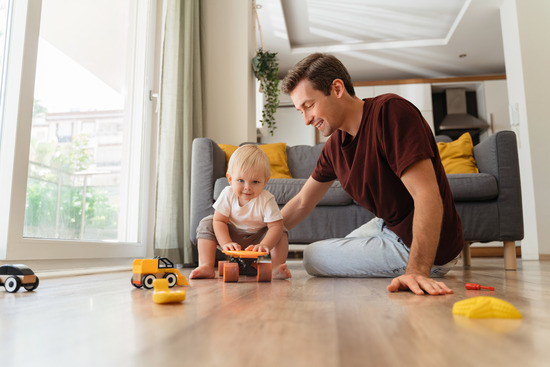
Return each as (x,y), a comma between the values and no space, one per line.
(180,122)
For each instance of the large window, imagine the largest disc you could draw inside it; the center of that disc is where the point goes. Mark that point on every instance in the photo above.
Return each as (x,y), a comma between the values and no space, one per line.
(80,157)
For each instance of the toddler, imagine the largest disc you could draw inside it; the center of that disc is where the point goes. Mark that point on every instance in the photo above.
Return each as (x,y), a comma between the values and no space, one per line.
(246,216)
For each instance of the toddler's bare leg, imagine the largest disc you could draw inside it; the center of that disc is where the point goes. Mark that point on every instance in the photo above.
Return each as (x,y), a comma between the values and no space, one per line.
(207,259)
(279,254)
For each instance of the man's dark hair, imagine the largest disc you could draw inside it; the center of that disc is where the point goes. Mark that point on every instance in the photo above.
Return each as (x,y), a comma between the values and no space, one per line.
(321,70)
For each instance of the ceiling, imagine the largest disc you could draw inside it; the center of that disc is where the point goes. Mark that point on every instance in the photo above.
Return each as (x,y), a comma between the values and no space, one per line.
(387,39)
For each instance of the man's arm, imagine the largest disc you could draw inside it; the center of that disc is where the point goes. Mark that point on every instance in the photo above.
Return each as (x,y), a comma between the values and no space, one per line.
(420,181)
(271,238)
(299,207)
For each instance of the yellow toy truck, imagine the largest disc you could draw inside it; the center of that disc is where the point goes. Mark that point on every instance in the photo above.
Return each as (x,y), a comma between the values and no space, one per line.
(147,270)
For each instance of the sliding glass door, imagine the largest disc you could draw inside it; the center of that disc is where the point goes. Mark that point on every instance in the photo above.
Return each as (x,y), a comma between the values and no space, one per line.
(81,155)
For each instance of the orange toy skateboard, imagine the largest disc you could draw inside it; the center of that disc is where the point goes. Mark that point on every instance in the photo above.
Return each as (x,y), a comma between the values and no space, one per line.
(244,263)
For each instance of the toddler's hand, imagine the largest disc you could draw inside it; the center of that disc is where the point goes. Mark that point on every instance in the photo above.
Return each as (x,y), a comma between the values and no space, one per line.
(258,248)
(231,246)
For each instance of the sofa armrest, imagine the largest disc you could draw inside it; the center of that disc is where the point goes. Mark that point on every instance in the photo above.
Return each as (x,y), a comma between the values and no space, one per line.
(207,165)
(498,156)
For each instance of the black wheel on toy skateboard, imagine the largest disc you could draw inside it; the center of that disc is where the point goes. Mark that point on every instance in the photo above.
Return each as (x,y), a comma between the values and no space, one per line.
(230,272)
(221,264)
(264,272)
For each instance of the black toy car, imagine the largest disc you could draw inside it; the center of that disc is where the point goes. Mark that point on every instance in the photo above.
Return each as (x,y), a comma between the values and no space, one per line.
(12,277)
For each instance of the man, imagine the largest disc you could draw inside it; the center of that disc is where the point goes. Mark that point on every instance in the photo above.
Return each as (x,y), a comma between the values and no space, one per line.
(384,154)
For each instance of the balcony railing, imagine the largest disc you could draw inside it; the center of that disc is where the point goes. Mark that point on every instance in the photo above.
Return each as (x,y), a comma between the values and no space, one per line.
(72,205)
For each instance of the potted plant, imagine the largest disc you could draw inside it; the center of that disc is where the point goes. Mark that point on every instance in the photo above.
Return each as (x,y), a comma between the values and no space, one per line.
(266,70)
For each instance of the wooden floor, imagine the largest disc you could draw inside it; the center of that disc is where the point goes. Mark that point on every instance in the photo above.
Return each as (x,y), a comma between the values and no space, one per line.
(101,320)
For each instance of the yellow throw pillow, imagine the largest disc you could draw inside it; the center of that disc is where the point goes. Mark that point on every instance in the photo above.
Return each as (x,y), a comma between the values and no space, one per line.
(228,150)
(458,156)
(276,153)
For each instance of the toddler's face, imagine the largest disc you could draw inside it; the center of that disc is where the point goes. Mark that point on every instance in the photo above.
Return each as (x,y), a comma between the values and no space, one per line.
(247,186)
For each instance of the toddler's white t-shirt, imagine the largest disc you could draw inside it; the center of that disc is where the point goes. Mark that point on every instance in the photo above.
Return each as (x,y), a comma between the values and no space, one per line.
(251,217)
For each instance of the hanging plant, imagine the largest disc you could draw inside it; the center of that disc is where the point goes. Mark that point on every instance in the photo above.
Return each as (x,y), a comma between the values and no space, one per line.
(266,70)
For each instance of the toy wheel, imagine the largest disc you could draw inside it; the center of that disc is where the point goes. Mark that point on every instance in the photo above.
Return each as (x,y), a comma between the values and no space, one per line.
(172,279)
(221,265)
(264,272)
(147,281)
(231,272)
(134,284)
(12,284)
(31,287)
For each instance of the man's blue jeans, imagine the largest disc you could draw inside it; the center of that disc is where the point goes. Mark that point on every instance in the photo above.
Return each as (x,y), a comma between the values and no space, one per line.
(371,250)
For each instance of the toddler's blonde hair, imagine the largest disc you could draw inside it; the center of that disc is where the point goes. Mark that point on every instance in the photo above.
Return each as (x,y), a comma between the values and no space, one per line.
(249,158)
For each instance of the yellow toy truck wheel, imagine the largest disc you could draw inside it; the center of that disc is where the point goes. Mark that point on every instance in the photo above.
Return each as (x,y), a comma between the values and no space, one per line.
(147,281)
(172,279)
(134,284)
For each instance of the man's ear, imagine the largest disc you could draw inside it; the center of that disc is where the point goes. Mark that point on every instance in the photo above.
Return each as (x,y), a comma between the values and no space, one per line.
(338,87)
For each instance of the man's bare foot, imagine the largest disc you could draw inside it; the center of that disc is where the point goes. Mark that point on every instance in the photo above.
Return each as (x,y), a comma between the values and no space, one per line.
(281,272)
(203,272)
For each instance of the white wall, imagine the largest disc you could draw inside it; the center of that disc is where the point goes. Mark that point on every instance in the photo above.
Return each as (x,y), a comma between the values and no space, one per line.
(290,128)
(496,104)
(525,28)
(228,49)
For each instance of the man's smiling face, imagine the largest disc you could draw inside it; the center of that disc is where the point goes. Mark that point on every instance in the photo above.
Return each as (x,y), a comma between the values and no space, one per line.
(317,108)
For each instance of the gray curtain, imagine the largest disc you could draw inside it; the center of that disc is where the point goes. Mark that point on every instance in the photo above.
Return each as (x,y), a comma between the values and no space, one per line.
(180,122)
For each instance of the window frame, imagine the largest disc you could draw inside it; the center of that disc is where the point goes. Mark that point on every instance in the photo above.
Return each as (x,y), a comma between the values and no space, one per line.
(15,142)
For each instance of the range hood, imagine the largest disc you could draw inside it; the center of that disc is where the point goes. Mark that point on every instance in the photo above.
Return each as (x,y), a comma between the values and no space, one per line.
(457,116)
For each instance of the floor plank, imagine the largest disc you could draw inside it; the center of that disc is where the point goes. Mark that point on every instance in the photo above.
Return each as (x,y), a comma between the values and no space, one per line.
(102,319)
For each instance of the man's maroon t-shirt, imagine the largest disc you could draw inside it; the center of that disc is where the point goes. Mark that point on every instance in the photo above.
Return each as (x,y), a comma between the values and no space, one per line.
(393,135)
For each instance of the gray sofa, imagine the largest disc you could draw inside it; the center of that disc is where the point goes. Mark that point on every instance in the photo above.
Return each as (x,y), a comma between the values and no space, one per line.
(489,203)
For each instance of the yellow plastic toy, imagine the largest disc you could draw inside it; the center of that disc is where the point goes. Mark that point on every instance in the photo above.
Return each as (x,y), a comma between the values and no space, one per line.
(486,307)
(163,294)
(145,271)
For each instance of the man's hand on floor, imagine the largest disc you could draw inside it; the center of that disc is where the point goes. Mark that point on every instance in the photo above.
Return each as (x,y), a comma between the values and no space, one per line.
(417,284)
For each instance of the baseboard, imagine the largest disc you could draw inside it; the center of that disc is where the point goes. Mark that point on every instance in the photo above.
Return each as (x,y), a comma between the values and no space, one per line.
(72,267)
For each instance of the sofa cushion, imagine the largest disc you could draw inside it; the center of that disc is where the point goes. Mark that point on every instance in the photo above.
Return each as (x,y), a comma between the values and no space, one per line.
(302,159)
(286,189)
(228,150)
(276,154)
(473,186)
